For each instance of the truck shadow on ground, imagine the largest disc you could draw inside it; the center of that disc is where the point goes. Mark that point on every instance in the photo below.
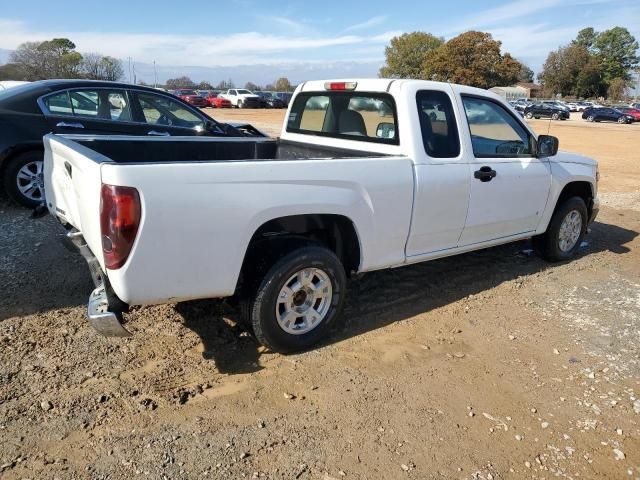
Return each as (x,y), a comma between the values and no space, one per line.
(381,298)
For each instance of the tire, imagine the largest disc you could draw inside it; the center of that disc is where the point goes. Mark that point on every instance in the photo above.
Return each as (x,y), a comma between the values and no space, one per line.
(591,118)
(240,104)
(28,192)
(275,322)
(555,116)
(529,115)
(622,120)
(550,244)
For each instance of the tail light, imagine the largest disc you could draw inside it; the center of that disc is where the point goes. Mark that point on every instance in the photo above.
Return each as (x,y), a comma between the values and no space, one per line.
(120,213)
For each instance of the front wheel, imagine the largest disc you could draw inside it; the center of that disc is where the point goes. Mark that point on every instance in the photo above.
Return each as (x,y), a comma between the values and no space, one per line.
(529,115)
(591,118)
(566,230)
(622,120)
(24,180)
(298,301)
(555,116)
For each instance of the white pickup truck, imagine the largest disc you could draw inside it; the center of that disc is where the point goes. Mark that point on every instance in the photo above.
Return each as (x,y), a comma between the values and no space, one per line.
(367,175)
(242,98)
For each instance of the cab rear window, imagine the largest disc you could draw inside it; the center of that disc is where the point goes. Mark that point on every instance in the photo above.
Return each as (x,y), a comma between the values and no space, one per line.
(369,117)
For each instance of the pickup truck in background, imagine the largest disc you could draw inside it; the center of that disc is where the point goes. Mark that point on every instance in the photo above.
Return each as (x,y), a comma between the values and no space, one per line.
(366,175)
(242,98)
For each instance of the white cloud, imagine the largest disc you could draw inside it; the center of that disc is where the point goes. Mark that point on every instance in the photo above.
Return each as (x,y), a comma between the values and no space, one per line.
(206,50)
(372,22)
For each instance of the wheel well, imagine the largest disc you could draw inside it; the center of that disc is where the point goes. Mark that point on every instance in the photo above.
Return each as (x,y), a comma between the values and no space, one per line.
(577,189)
(277,237)
(14,152)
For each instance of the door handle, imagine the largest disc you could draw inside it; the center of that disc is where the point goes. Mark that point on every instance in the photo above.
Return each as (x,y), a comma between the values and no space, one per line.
(156,133)
(485,174)
(70,125)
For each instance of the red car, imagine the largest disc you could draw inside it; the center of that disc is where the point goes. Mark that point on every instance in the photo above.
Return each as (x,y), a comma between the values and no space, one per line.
(191,97)
(634,112)
(213,100)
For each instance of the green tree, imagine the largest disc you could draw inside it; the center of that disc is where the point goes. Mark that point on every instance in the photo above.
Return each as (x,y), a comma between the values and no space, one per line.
(617,49)
(572,71)
(12,71)
(586,38)
(204,85)
(283,85)
(472,58)
(97,67)
(525,74)
(180,82)
(406,53)
(617,89)
(55,58)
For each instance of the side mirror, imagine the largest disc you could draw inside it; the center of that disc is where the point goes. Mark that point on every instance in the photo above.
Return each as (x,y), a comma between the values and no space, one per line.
(547,146)
(386,130)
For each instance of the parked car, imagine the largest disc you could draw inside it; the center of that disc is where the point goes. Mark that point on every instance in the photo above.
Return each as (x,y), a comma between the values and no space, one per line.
(280,224)
(546,110)
(30,111)
(634,112)
(582,106)
(573,106)
(6,84)
(284,96)
(242,98)
(556,104)
(270,101)
(606,114)
(191,97)
(635,105)
(214,100)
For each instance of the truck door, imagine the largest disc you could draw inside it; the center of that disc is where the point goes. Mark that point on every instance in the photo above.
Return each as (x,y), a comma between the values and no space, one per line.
(441,174)
(509,185)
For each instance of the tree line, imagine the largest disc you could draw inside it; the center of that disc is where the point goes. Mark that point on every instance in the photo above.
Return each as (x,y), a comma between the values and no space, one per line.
(58,58)
(595,64)
(282,84)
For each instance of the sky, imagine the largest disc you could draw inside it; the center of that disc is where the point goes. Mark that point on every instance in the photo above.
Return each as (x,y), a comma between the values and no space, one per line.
(301,39)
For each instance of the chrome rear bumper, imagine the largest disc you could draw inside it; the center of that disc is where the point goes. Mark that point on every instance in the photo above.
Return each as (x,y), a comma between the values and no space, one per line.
(103,320)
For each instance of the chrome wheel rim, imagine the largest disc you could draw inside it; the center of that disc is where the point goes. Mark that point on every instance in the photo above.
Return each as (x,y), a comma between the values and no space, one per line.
(304,301)
(570,231)
(30,180)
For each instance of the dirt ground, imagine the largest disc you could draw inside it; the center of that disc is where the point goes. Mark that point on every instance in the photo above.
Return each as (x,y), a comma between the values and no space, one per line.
(490,365)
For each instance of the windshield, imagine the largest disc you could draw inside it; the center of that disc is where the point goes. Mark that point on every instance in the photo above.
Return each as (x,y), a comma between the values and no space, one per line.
(244,92)
(187,92)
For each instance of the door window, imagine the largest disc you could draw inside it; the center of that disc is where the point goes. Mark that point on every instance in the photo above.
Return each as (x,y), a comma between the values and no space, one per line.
(494,131)
(98,104)
(160,110)
(438,124)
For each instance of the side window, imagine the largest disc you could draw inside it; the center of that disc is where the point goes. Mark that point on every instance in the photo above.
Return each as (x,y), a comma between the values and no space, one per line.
(59,104)
(494,131)
(438,124)
(161,110)
(101,104)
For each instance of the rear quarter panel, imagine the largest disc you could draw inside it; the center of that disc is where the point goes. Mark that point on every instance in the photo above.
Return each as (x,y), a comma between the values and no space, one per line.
(198,217)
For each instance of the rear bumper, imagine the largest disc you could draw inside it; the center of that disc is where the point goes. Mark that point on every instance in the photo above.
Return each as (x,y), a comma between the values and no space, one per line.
(99,312)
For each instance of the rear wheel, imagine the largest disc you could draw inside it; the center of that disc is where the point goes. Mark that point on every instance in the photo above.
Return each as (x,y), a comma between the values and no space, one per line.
(591,118)
(555,116)
(566,230)
(24,180)
(529,115)
(240,104)
(298,300)
(622,120)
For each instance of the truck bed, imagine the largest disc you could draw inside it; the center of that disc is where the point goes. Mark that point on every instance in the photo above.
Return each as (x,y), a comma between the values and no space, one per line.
(205,149)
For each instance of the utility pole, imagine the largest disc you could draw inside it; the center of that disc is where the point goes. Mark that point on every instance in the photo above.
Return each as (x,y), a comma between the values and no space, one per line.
(155,75)
(130,74)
